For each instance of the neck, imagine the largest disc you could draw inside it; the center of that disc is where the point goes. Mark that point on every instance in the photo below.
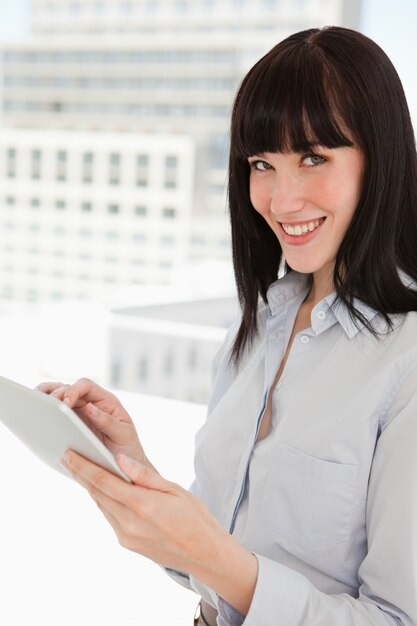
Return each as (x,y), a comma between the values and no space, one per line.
(321,286)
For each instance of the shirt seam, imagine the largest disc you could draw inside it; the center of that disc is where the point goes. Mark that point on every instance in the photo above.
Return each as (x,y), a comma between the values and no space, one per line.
(408,371)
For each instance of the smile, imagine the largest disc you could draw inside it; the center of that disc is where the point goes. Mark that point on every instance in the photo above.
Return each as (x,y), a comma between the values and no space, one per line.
(302,229)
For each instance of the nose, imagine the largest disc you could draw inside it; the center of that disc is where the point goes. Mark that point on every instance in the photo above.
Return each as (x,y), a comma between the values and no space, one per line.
(287,196)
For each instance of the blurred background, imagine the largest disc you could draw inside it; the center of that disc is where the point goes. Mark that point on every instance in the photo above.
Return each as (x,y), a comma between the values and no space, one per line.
(115,258)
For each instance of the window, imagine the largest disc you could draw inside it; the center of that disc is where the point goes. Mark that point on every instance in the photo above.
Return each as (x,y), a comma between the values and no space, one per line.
(113,208)
(126,8)
(32,295)
(192,358)
(169,213)
(74,8)
(143,368)
(34,203)
(114,169)
(60,204)
(86,207)
(167,240)
(116,372)
(10,201)
(7,292)
(61,165)
(11,163)
(87,167)
(181,6)
(168,363)
(99,7)
(36,164)
(142,163)
(140,210)
(170,178)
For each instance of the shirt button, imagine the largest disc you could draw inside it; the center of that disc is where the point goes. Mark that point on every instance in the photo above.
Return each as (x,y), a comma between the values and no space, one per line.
(321,315)
(305,339)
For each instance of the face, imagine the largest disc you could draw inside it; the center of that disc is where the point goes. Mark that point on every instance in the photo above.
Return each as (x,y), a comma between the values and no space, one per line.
(308,200)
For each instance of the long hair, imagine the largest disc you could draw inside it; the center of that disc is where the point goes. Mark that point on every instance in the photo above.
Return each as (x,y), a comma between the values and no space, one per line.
(328,86)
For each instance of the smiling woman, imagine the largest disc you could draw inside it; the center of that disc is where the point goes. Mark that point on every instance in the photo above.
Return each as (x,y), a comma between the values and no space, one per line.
(309,201)
(304,506)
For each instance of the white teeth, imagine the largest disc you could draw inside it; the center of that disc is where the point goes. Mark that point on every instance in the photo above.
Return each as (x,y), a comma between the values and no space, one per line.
(301,229)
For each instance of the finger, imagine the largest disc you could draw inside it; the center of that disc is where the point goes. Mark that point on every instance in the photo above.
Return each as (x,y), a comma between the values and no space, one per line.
(109,517)
(48,387)
(143,476)
(116,513)
(103,425)
(116,430)
(86,389)
(59,392)
(95,478)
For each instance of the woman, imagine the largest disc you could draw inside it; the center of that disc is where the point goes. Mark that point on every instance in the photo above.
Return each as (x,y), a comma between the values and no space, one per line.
(304,507)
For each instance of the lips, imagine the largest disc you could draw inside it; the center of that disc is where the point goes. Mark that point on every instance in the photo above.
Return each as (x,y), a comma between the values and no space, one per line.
(296,238)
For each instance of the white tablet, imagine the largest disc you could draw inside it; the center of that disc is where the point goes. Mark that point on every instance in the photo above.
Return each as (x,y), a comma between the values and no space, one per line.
(49,427)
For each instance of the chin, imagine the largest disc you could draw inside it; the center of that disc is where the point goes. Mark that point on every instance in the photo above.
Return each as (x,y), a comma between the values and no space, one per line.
(303,268)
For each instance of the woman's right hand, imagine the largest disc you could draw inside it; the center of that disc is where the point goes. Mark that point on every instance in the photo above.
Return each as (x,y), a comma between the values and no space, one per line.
(103,413)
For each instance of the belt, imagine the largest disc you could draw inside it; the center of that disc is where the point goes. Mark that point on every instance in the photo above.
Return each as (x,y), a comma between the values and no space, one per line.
(205,615)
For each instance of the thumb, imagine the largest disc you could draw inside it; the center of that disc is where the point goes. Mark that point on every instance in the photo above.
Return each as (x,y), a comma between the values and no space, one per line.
(141,475)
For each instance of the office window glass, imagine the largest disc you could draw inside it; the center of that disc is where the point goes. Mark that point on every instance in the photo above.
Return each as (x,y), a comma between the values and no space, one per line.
(11,163)
(36,164)
(61,165)
(171,173)
(142,164)
(114,169)
(87,167)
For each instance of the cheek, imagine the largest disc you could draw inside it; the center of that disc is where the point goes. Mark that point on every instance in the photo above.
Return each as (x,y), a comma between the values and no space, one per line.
(259,197)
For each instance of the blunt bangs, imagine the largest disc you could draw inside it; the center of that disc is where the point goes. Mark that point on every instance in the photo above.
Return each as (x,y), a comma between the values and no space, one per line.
(287,103)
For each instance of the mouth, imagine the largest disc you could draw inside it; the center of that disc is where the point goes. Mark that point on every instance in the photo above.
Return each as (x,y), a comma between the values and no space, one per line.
(296,234)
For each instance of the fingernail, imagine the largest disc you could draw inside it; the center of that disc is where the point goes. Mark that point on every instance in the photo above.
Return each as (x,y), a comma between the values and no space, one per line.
(67,400)
(65,459)
(94,410)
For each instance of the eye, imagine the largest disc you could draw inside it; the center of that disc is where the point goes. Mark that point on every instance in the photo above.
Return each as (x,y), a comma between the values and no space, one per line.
(260,166)
(311,160)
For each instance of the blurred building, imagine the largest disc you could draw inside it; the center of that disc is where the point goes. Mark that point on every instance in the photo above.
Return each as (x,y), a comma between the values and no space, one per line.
(119,89)
(81,217)
(168,349)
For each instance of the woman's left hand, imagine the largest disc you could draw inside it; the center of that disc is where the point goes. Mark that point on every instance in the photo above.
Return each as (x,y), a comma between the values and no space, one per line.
(151,516)
(169,525)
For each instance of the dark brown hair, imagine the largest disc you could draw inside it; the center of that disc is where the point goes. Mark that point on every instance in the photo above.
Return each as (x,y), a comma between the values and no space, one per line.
(334,87)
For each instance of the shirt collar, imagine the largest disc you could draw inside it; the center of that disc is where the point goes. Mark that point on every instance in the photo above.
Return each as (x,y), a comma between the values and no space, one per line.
(294,283)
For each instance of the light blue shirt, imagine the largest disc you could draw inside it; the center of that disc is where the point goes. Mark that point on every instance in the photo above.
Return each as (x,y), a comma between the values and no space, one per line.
(327,501)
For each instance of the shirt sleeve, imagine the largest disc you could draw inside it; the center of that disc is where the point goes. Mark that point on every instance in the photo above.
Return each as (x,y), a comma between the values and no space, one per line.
(180,577)
(388,574)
